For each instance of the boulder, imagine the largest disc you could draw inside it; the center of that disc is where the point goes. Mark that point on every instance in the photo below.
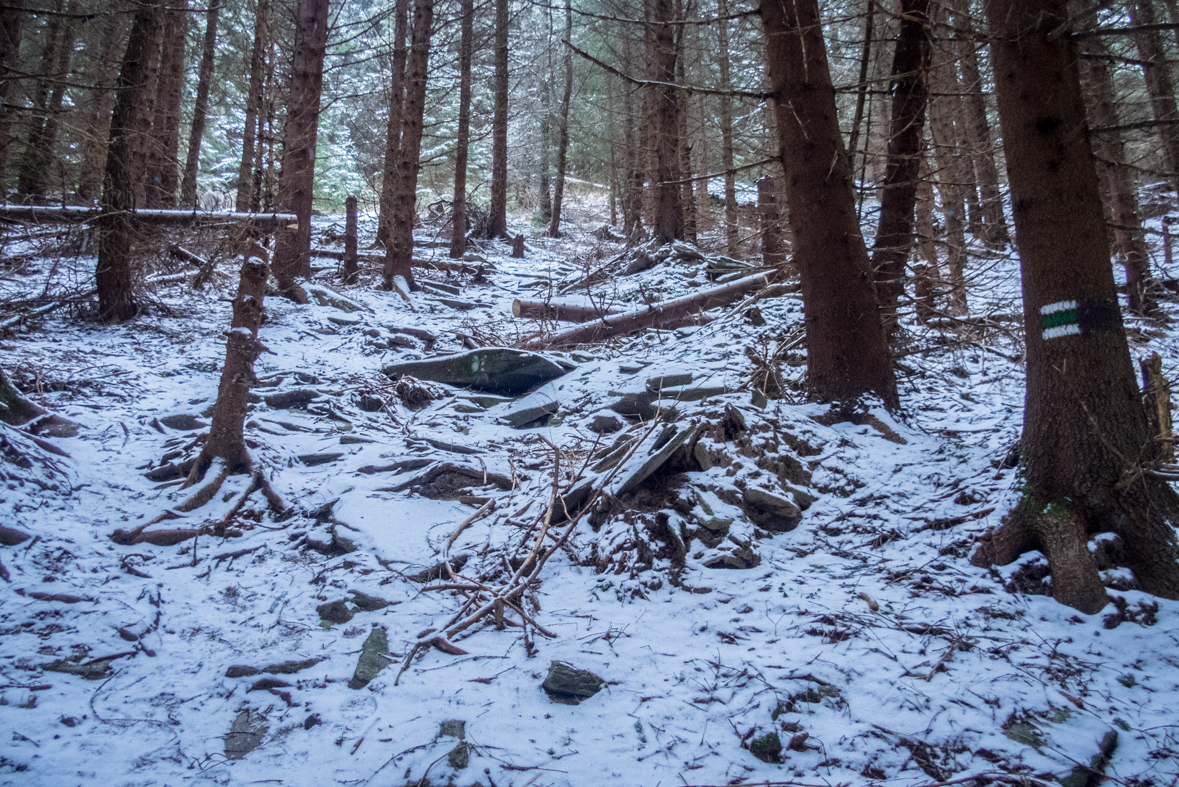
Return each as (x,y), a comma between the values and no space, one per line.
(570,686)
(496,370)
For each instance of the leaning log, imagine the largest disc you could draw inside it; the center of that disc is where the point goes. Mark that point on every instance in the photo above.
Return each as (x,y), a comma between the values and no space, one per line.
(80,214)
(674,313)
(561,312)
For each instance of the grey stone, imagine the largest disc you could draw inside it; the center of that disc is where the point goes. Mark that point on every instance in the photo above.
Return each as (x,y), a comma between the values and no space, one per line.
(570,686)
(666,381)
(241,671)
(183,423)
(495,370)
(606,424)
(245,735)
(372,658)
(291,667)
(770,511)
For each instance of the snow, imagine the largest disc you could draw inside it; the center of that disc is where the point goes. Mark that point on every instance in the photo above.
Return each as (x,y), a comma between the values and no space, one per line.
(866,628)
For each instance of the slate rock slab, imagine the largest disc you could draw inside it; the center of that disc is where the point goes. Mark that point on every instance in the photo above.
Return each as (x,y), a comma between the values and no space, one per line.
(570,686)
(770,511)
(372,658)
(495,370)
(244,735)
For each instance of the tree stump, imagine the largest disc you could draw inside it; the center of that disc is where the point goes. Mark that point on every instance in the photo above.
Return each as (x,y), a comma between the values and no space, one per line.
(518,247)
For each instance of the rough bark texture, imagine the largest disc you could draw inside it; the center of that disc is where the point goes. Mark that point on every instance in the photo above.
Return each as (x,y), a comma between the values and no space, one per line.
(950,179)
(726,121)
(130,123)
(1160,86)
(394,126)
(497,223)
(1085,446)
(163,173)
(226,434)
(11,27)
(200,110)
(665,129)
(100,105)
(292,250)
(1117,179)
(247,185)
(846,346)
(458,240)
(894,232)
(563,128)
(399,252)
(37,160)
(862,90)
(773,251)
(351,260)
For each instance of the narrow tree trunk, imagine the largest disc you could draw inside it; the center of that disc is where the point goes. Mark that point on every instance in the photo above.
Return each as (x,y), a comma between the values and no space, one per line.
(726,124)
(227,432)
(497,223)
(163,162)
(950,185)
(393,129)
(1117,177)
(978,130)
(292,250)
(351,260)
(632,186)
(862,91)
(48,97)
(1085,444)
(130,123)
(909,88)
(1160,86)
(563,128)
(399,253)
(247,184)
(458,241)
(11,27)
(773,253)
(544,196)
(847,353)
(669,206)
(200,110)
(101,103)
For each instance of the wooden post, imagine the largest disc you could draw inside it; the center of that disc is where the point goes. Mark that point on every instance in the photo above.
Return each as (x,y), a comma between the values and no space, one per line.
(773,253)
(350,257)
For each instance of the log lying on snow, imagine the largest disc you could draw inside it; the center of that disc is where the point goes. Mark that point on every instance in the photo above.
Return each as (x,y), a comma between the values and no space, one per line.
(77,214)
(561,312)
(495,370)
(451,266)
(669,314)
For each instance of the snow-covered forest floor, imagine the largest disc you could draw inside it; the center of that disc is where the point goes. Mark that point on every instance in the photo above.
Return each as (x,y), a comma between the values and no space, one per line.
(863,639)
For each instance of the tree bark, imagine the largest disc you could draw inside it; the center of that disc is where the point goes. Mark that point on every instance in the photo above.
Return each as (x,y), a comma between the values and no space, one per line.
(399,252)
(862,90)
(497,223)
(394,127)
(563,128)
(227,432)
(200,110)
(1116,177)
(11,28)
(1085,451)
(163,162)
(909,88)
(292,250)
(351,260)
(247,184)
(37,160)
(130,123)
(458,241)
(846,346)
(1160,86)
(726,124)
(669,205)
(101,103)
(773,251)
(951,180)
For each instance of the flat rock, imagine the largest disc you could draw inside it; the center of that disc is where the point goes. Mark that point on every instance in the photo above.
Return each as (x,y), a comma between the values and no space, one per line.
(183,423)
(245,734)
(530,413)
(10,536)
(372,658)
(770,511)
(570,686)
(241,671)
(289,399)
(606,424)
(313,460)
(291,667)
(663,382)
(496,370)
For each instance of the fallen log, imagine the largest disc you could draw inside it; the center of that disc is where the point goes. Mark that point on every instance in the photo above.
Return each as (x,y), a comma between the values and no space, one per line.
(79,214)
(450,266)
(561,312)
(674,313)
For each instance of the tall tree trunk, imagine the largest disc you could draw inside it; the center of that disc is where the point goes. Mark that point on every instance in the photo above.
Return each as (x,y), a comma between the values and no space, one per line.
(393,129)
(563,127)
(1117,177)
(497,222)
(399,253)
(11,27)
(1085,444)
(292,250)
(632,187)
(163,172)
(200,110)
(909,88)
(951,180)
(101,103)
(458,241)
(862,90)
(669,205)
(687,192)
(1160,86)
(130,123)
(977,130)
(48,97)
(544,197)
(247,185)
(726,124)
(847,353)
